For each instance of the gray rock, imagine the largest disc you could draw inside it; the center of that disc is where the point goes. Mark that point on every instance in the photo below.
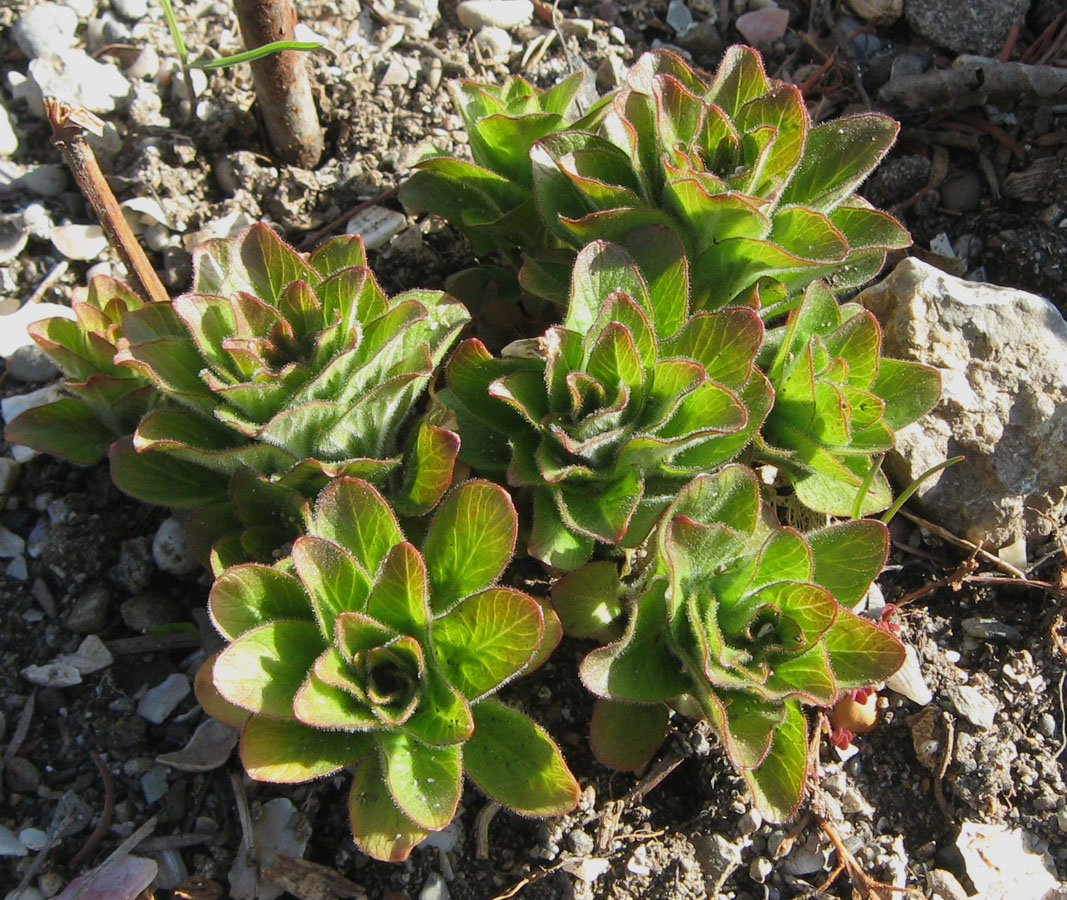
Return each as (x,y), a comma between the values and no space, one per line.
(760,869)
(21,776)
(718,858)
(208,748)
(944,886)
(151,610)
(9,141)
(9,473)
(13,236)
(38,221)
(29,364)
(580,842)
(89,614)
(45,180)
(972,705)
(131,10)
(45,28)
(160,701)
(11,845)
(493,43)
(436,888)
(12,407)
(991,630)
(750,822)
(803,861)
(171,550)
(154,783)
(1002,355)
(978,26)
(84,8)
(679,17)
(11,545)
(73,75)
(146,66)
(135,567)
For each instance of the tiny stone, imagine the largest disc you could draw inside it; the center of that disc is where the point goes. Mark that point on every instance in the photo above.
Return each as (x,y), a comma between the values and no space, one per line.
(160,701)
(750,822)
(154,783)
(79,241)
(135,566)
(33,838)
(802,861)
(21,776)
(1047,724)
(51,883)
(89,614)
(150,610)
(171,550)
(11,845)
(45,180)
(435,888)
(718,858)
(972,705)
(130,10)
(1061,817)
(9,141)
(944,886)
(45,28)
(504,14)
(9,473)
(991,629)
(11,545)
(29,364)
(493,43)
(84,8)
(146,66)
(760,868)
(581,844)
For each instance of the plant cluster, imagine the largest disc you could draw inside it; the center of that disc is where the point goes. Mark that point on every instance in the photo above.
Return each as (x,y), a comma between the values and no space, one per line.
(694,233)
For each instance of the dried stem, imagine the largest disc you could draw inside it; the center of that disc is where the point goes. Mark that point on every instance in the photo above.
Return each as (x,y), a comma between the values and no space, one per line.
(281,82)
(69,124)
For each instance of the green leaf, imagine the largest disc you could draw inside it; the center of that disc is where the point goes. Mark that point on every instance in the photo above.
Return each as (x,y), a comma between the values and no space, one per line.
(246,596)
(626,735)
(724,342)
(329,707)
(602,511)
(333,578)
(728,497)
(379,829)
(288,752)
(353,514)
(838,156)
(551,541)
(252,55)
(909,390)
(157,477)
(266,264)
(344,251)
(661,260)
(601,270)
(443,715)
(746,723)
(469,543)
(861,653)
(263,669)
(778,784)
(848,556)
(66,428)
(399,598)
(588,600)
(486,639)
(427,470)
(424,781)
(641,667)
(806,675)
(614,359)
(739,79)
(516,763)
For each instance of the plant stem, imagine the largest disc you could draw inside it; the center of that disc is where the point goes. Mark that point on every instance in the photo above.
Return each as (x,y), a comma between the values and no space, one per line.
(68,134)
(281,81)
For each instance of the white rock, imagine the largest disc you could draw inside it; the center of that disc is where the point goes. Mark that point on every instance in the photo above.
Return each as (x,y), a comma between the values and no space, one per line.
(171,550)
(54,675)
(908,679)
(208,748)
(1005,864)
(377,225)
(435,888)
(679,17)
(84,8)
(11,545)
(505,14)
(13,237)
(802,861)
(146,65)
(131,10)
(1002,355)
(9,141)
(972,705)
(45,28)
(494,43)
(33,838)
(38,220)
(13,327)
(587,869)
(79,241)
(11,407)
(279,828)
(73,75)
(11,845)
(154,783)
(44,180)
(160,701)
(91,656)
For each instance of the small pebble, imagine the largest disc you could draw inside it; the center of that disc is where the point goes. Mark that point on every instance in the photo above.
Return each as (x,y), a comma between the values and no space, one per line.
(760,869)
(135,566)
(1047,725)
(159,702)
(79,241)
(51,883)
(146,66)
(1061,816)
(130,10)
(45,180)
(493,43)
(21,775)
(150,610)
(9,141)
(154,783)
(9,474)
(208,748)
(750,822)
(11,845)
(171,549)
(991,629)
(29,365)
(435,888)
(45,28)
(33,838)
(504,14)
(84,8)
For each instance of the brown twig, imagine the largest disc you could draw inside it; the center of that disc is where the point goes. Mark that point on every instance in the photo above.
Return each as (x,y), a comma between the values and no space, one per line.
(963,542)
(22,728)
(105,817)
(69,124)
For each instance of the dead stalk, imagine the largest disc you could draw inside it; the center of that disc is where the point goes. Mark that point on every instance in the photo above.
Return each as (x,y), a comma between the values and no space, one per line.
(69,124)
(281,81)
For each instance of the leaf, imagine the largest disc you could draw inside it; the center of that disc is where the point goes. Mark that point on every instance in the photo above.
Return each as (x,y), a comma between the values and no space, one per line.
(288,752)
(779,783)
(601,270)
(806,675)
(469,543)
(246,596)
(66,428)
(626,735)
(352,513)
(443,715)
(516,763)
(427,470)
(551,541)
(263,669)
(588,600)
(212,702)
(724,342)
(848,556)
(641,667)
(614,360)
(399,598)
(266,263)
(486,639)
(838,156)
(909,390)
(661,260)
(747,723)
(861,653)
(602,511)
(323,704)
(157,477)
(379,829)
(729,497)
(424,781)
(739,78)
(333,578)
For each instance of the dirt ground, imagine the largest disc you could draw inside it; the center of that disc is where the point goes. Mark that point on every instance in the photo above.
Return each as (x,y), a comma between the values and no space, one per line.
(989,179)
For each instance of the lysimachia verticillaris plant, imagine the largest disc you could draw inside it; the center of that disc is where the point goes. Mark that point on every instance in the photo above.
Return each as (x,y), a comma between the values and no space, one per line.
(837,403)
(372,653)
(733,165)
(104,400)
(296,367)
(605,418)
(740,622)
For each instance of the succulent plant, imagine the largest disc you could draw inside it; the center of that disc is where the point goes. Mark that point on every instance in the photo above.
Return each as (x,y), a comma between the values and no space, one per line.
(364,651)
(733,165)
(605,418)
(298,368)
(837,404)
(104,400)
(739,622)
